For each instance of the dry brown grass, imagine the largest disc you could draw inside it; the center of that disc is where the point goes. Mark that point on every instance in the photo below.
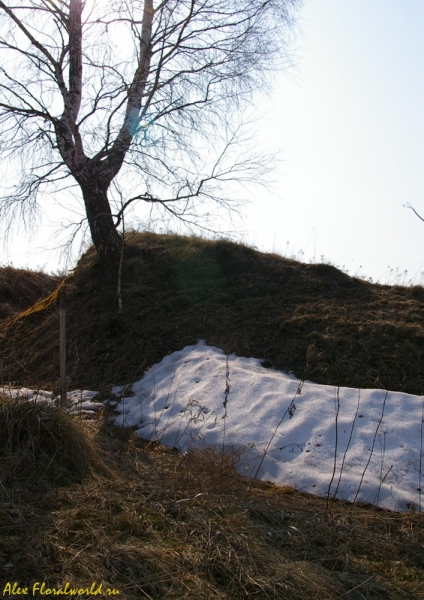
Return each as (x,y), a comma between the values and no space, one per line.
(173,526)
(20,289)
(86,502)
(311,319)
(42,445)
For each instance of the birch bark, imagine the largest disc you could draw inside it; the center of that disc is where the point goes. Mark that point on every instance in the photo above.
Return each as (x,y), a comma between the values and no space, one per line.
(95,175)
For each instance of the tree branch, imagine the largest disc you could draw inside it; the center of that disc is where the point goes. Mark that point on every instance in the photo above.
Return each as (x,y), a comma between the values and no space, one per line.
(412,208)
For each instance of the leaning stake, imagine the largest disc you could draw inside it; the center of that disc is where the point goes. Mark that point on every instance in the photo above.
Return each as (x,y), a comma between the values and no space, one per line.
(62,343)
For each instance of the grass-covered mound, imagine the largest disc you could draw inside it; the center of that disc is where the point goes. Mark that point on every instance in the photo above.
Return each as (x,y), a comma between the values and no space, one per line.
(311,319)
(41,446)
(20,289)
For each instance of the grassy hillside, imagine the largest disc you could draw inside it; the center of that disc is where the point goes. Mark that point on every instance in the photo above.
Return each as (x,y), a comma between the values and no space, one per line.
(152,523)
(85,502)
(311,319)
(20,289)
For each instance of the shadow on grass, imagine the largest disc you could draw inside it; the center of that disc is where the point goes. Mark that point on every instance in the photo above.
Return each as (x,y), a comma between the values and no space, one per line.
(154,523)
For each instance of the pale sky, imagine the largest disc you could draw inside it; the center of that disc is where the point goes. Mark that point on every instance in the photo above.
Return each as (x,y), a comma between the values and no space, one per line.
(349,120)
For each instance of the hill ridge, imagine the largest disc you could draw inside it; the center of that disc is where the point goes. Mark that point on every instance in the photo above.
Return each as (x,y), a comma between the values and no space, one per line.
(311,319)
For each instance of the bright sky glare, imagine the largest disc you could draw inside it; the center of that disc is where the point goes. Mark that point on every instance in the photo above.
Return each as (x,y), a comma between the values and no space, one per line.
(350,123)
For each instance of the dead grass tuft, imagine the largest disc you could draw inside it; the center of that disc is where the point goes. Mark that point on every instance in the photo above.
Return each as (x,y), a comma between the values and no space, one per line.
(41,445)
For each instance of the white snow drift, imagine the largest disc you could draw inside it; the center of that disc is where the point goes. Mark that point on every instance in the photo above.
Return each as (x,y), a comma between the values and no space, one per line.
(364,445)
(357,445)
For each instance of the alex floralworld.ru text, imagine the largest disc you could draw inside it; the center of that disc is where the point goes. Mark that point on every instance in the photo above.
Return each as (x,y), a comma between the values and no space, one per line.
(12,589)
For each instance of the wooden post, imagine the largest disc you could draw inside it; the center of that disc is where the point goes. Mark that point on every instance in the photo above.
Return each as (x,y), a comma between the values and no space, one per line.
(62,344)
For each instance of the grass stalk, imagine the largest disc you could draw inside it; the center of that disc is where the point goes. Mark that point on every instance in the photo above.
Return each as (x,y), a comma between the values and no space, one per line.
(336,442)
(372,447)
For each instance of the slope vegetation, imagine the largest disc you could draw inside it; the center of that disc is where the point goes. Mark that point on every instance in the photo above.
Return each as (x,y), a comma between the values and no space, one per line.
(313,320)
(84,501)
(19,289)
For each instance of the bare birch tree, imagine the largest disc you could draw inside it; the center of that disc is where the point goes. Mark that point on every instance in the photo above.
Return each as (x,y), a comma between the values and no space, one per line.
(107,91)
